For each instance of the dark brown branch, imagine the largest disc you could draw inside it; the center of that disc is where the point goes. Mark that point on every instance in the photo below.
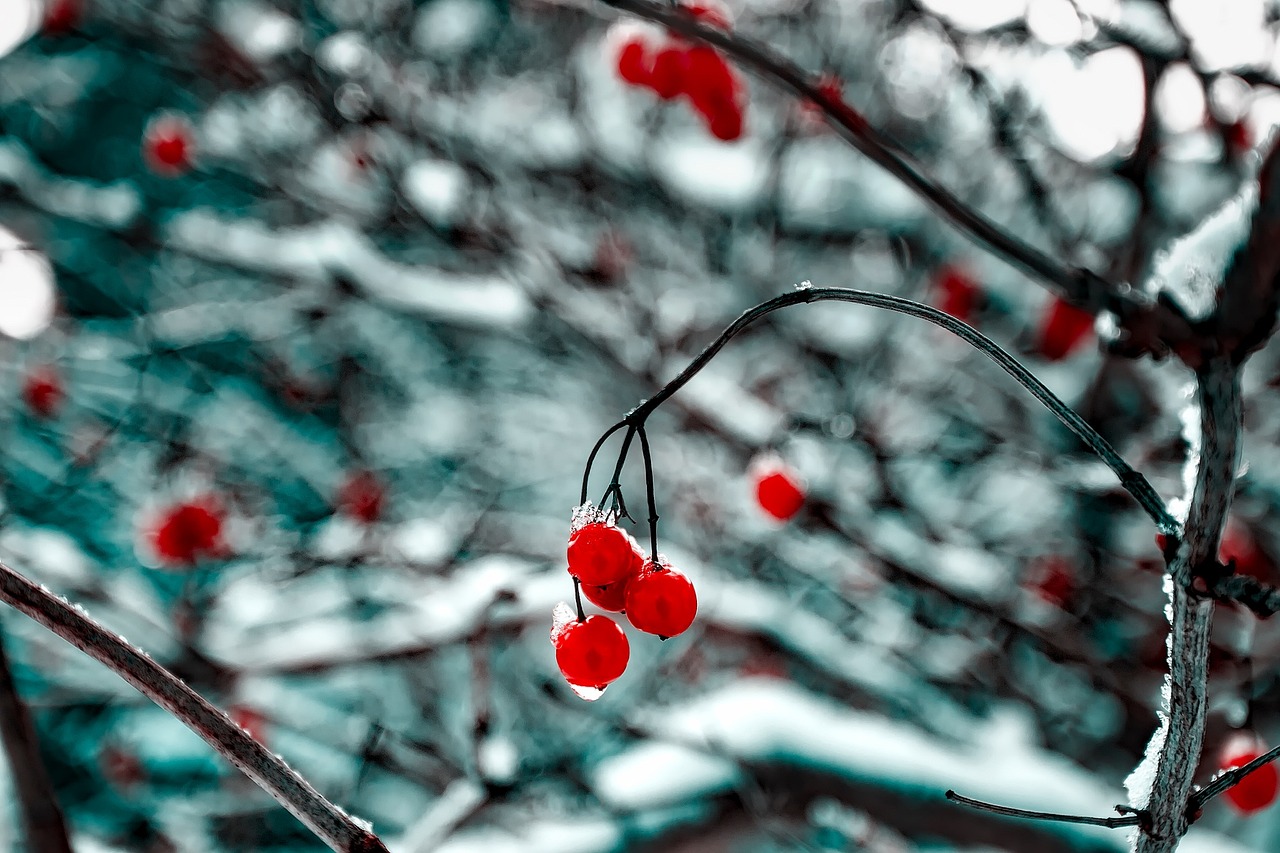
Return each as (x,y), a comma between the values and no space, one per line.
(1129,816)
(43,826)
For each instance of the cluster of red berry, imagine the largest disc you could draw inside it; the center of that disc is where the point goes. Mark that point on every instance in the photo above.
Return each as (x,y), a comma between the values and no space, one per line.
(671,66)
(615,574)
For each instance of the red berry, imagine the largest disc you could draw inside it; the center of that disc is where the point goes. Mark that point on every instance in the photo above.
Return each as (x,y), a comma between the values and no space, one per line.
(1238,544)
(591,653)
(661,601)
(710,12)
(1065,327)
(362,496)
(778,489)
(634,64)
(726,125)
(1239,137)
(600,554)
(613,597)
(669,76)
(251,720)
(61,16)
(121,767)
(187,532)
(1258,789)
(958,294)
(1053,580)
(168,145)
(42,392)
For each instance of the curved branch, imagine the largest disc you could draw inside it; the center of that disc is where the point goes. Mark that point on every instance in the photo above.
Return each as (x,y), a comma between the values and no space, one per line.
(1131,480)
(330,824)
(1152,327)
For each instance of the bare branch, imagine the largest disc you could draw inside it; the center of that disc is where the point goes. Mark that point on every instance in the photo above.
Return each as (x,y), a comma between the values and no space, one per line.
(329,823)
(1132,818)
(43,826)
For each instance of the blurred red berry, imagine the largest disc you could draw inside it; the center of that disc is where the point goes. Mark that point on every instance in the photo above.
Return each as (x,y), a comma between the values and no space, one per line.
(168,146)
(362,496)
(121,767)
(778,490)
(958,293)
(669,76)
(1063,329)
(187,532)
(591,653)
(251,720)
(61,16)
(1258,789)
(710,12)
(1053,580)
(1239,137)
(661,601)
(634,63)
(600,554)
(42,391)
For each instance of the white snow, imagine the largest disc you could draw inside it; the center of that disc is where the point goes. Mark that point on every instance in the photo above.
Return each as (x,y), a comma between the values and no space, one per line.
(655,774)
(437,189)
(1193,266)
(706,171)
(318,251)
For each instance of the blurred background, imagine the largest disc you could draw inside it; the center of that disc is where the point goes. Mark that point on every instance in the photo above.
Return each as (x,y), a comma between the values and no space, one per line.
(311,310)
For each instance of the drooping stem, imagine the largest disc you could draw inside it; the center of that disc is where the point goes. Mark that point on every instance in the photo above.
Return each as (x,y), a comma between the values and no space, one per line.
(329,823)
(1131,480)
(1175,747)
(43,826)
(653,501)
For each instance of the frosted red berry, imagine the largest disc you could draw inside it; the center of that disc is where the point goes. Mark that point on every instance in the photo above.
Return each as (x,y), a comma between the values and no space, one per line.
(1239,548)
(1255,791)
(1063,329)
(168,146)
(187,532)
(661,600)
(362,496)
(591,653)
(600,554)
(778,490)
(42,392)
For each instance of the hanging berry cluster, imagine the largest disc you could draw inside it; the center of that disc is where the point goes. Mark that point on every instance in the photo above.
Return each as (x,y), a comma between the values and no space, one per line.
(611,569)
(671,66)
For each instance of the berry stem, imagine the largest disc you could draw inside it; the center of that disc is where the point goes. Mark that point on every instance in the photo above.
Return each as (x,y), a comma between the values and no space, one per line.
(653,502)
(577,599)
(586,475)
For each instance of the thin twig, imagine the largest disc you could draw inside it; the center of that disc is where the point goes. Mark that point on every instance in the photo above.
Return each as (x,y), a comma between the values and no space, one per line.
(329,823)
(42,823)
(1130,479)
(1133,819)
(1228,779)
